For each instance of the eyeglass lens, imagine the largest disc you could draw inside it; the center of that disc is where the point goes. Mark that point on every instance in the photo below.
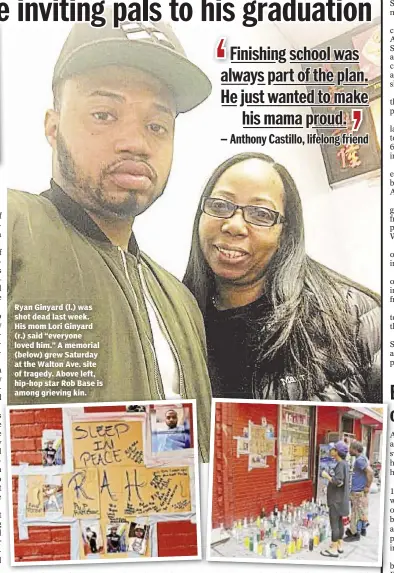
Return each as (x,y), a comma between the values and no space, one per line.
(252,213)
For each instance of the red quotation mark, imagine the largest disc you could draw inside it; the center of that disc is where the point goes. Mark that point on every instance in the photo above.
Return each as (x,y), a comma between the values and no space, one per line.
(220,49)
(357,117)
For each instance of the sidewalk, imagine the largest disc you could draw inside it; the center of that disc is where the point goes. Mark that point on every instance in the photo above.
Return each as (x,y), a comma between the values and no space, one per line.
(363,551)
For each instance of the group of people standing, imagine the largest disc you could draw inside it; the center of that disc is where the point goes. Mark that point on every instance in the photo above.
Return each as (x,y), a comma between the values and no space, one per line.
(347,496)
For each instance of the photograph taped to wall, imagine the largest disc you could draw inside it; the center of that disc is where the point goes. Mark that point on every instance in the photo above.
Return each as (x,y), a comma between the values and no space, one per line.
(113,506)
(317,513)
(138,538)
(52,448)
(170,429)
(53,494)
(92,539)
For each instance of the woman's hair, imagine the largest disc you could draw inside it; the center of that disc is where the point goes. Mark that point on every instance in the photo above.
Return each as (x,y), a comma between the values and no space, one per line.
(309,320)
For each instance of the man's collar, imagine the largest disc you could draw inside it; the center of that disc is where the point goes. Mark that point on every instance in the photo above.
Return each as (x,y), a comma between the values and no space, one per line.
(79,218)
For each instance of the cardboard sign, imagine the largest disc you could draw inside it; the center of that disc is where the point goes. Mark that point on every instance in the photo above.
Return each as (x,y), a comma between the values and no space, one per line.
(35,496)
(107,443)
(111,493)
(155,491)
(81,494)
(260,442)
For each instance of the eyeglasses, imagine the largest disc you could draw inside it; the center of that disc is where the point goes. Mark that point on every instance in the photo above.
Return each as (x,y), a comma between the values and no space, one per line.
(254,214)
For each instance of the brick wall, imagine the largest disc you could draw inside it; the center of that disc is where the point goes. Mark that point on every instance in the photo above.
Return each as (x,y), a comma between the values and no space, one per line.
(26,427)
(53,543)
(239,493)
(177,538)
(327,421)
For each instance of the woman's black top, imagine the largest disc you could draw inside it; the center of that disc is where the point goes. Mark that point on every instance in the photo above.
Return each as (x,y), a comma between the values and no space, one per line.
(232,348)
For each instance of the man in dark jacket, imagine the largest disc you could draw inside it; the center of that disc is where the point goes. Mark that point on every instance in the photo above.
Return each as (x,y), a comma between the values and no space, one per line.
(91,318)
(362,477)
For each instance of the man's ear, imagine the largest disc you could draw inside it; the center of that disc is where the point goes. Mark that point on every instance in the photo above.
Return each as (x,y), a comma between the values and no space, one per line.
(51,126)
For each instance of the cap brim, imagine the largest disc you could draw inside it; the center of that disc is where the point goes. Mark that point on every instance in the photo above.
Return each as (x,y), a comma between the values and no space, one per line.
(189,85)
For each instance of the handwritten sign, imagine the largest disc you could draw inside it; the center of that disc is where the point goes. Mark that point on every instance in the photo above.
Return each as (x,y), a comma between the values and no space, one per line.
(81,494)
(111,494)
(155,491)
(260,442)
(35,496)
(107,444)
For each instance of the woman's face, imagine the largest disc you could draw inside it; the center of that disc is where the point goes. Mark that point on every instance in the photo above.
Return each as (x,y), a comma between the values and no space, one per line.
(235,250)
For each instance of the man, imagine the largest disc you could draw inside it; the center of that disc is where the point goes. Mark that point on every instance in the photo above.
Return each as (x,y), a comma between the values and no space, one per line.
(49,454)
(362,478)
(91,537)
(113,540)
(137,542)
(113,324)
(177,437)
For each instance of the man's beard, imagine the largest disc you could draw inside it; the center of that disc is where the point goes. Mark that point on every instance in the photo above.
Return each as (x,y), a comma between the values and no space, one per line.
(88,192)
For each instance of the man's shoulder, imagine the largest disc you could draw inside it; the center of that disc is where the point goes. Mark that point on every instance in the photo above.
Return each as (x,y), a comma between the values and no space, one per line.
(168,280)
(361,461)
(18,195)
(22,202)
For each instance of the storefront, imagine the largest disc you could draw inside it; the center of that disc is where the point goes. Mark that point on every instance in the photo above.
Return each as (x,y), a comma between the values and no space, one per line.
(245,481)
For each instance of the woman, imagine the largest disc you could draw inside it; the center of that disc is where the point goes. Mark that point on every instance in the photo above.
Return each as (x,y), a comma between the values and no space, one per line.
(279,324)
(337,497)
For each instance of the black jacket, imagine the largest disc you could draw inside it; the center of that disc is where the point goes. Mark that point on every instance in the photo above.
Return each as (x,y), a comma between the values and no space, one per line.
(338,385)
(237,372)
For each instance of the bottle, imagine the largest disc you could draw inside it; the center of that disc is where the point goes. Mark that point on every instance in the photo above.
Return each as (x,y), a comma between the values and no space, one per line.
(262,513)
(305,538)
(310,544)
(246,541)
(276,510)
(316,537)
(234,530)
(267,551)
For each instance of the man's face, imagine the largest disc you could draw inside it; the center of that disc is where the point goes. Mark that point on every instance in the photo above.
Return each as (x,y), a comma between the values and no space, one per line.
(172,419)
(113,140)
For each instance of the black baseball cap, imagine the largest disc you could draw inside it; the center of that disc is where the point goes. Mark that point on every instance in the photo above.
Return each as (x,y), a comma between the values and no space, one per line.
(152,47)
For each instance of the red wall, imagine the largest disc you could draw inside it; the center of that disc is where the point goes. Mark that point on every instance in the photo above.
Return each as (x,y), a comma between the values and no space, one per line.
(53,543)
(239,493)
